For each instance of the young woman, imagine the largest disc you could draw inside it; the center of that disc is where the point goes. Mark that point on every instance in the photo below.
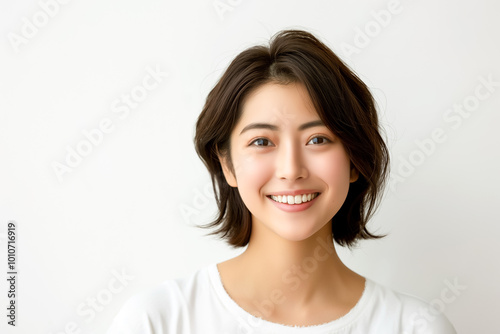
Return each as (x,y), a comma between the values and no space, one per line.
(291,139)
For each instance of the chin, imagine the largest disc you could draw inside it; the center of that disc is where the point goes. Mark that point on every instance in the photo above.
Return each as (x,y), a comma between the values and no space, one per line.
(297,233)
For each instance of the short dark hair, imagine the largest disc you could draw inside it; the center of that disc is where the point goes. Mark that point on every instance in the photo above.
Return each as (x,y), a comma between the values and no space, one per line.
(343,103)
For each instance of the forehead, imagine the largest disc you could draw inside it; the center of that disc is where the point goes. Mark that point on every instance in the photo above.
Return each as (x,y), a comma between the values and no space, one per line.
(278,103)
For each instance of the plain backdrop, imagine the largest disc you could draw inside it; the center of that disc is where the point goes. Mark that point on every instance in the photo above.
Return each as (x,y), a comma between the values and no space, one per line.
(123,218)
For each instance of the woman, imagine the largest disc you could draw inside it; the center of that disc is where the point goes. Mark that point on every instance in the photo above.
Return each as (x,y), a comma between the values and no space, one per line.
(291,139)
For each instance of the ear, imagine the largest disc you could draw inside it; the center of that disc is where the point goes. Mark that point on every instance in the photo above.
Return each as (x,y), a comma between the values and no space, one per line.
(354,174)
(230,178)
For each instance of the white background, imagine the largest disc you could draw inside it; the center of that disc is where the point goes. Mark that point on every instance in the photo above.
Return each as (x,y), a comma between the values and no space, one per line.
(121,208)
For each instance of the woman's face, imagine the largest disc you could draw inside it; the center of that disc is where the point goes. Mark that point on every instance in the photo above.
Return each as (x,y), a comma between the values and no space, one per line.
(292,173)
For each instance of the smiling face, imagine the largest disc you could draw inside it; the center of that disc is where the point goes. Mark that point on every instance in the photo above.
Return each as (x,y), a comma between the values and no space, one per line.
(291,171)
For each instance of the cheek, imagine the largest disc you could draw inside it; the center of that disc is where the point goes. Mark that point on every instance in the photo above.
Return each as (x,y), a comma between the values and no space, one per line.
(334,170)
(252,171)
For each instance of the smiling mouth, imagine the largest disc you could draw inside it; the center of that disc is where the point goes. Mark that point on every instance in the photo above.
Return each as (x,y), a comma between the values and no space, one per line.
(297,199)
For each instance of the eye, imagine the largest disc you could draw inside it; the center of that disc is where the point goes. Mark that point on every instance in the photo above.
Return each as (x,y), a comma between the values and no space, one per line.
(319,140)
(263,142)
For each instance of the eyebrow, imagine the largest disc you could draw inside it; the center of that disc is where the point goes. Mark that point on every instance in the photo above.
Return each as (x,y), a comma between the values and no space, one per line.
(276,128)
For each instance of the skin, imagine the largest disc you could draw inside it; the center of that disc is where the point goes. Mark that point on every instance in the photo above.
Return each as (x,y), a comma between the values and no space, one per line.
(290,272)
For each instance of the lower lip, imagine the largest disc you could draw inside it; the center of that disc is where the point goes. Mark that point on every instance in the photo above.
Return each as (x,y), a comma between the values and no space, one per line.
(293,207)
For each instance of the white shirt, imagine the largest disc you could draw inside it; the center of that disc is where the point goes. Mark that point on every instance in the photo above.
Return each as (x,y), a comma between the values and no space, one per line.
(200,304)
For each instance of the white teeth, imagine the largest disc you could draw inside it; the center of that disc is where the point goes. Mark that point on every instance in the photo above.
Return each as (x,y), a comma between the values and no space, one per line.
(297,199)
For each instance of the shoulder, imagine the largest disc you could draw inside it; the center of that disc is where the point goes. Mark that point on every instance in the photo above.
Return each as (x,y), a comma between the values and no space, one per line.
(157,309)
(147,311)
(416,315)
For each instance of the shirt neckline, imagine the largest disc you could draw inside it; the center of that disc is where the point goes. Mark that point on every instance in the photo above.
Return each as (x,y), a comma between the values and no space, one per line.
(246,319)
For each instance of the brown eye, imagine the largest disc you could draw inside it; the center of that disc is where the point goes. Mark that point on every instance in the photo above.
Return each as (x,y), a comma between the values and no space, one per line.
(261,142)
(319,140)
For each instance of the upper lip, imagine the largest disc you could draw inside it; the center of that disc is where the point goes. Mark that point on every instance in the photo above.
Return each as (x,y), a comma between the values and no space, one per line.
(293,192)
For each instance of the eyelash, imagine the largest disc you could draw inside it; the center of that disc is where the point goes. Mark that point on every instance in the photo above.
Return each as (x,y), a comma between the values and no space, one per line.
(252,143)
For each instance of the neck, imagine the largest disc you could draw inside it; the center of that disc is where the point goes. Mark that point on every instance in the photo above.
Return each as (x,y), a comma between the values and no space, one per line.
(292,282)
(299,271)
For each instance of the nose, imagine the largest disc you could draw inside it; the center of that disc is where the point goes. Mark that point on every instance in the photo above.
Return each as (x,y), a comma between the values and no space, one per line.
(290,164)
